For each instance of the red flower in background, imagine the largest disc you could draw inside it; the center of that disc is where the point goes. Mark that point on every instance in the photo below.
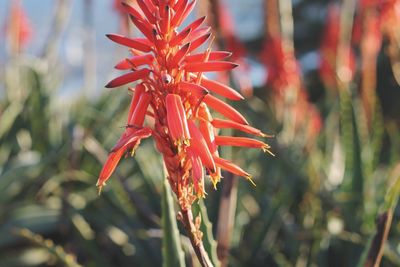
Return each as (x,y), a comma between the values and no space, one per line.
(328,49)
(283,69)
(239,52)
(18,27)
(124,20)
(173,91)
(284,77)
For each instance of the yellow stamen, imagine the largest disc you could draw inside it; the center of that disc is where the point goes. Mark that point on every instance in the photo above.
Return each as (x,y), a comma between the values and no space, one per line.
(266,150)
(267,135)
(99,188)
(250,179)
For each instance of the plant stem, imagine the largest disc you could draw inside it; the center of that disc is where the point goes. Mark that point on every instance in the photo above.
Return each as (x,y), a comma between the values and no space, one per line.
(187,220)
(227,210)
(382,231)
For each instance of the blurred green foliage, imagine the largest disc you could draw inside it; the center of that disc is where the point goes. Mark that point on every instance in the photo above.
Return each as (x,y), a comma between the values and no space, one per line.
(314,205)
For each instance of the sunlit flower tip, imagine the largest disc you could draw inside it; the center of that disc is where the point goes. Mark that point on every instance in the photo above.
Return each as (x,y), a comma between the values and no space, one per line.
(241,141)
(210,66)
(197,173)
(176,119)
(233,168)
(223,124)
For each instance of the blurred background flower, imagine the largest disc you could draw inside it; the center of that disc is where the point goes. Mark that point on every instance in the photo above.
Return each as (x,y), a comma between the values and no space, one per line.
(323,77)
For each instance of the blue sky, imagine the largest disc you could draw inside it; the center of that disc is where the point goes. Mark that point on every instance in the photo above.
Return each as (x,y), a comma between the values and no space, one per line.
(40,12)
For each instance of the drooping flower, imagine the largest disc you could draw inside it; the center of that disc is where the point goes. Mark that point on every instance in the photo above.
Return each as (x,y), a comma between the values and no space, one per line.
(172,89)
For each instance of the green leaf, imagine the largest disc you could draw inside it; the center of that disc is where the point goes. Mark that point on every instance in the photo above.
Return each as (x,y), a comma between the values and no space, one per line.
(210,245)
(392,196)
(172,248)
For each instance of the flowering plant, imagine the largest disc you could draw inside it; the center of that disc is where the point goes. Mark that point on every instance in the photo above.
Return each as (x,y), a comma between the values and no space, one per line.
(175,94)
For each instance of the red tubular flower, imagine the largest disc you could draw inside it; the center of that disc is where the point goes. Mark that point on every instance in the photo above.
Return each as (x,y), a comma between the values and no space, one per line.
(170,83)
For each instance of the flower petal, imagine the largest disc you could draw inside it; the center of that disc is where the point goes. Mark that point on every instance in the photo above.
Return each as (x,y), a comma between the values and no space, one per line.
(137,118)
(128,78)
(182,12)
(193,88)
(199,32)
(176,118)
(241,141)
(215,55)
(180,55)
(144,26)
(146,11)
(225,109)
(134,62)
(166,22)
(221,89)
(197,172)
(198,42)
(179,38)
(128,142)
(231,167)
(139,90)
(133,43)
(131,10)
(210,66)
(109,167)
(199,145)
